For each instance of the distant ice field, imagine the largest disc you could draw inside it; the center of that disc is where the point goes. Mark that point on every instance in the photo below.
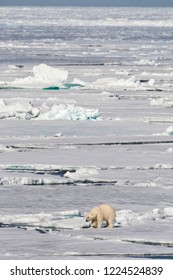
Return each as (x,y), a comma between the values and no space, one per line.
(86,118)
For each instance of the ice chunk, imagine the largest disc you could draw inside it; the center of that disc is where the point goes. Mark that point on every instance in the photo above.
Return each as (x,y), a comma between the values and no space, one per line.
(168,212)
(3,148)
(170,150)
(52,221)
(144,62)
(59,134)
(11,66)
(130,83)
(19,110)
(151,82)
(43,76)
(82,173)
(106,83)
(169,130)
(128,217)
(78,82)
(157,102)
(50,74)
(161,102)
(69,112)
(25,110)
(2,103)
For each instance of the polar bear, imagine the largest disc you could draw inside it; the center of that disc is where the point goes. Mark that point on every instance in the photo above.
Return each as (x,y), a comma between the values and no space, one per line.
(101,213)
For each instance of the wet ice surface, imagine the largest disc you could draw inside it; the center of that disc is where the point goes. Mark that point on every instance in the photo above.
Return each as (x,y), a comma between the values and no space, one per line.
(101,132)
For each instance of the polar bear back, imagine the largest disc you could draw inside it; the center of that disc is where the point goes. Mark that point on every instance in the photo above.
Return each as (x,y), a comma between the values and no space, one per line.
(107,212)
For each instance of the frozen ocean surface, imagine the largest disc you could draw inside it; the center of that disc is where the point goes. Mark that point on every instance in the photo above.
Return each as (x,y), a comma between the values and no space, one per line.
(86,102)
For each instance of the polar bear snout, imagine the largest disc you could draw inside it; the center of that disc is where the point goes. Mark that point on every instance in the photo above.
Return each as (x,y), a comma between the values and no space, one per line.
(87,219)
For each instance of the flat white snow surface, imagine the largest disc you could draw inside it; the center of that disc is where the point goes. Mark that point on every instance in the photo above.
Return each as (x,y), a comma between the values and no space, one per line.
(86,117)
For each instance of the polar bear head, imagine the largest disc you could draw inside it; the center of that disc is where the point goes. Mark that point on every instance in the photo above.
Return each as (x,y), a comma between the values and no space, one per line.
(92,215)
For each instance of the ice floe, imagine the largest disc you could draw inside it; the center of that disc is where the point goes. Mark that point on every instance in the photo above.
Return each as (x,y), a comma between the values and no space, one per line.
(54,221)
(26,110)
(70,112)
(74,219)
(128,217)
(143,62)
(82,173)
(65,165)
(167,132)
(161,102)
(130,83)
(44,77)
(2,103)
(170,150)
(18,110)
(4,148)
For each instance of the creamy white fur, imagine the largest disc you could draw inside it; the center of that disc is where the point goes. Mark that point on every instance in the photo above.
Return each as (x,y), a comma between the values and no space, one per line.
(101,213)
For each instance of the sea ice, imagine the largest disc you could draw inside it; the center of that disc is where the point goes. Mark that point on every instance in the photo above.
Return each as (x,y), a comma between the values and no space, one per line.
(73,219)
(2,103)
(43,76)
(64,219)
(25,110)
(19,110)
(82,173)
(115,83)
(128,217)
(161,102)
(3,148)
(124,75)
(170,150)
(169,130)
(70,112)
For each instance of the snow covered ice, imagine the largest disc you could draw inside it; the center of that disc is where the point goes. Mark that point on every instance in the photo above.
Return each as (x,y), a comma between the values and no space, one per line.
(69,112)
(86,118)
(25,110)
(43,76)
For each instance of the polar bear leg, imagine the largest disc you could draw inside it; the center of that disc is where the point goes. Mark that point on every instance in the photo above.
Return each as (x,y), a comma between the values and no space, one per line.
(99,220)
(99,224)
(94,224)
(110,223)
